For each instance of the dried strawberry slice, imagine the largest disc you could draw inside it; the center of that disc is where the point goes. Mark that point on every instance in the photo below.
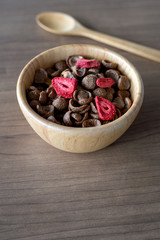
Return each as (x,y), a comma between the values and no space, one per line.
(106,109)
(105,82)
(87,63)
(64,87)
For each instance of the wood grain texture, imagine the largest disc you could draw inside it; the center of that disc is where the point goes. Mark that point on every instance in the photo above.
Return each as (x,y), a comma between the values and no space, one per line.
(47,194)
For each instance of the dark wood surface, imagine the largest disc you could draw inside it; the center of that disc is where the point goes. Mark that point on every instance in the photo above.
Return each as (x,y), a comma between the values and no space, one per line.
(48,194)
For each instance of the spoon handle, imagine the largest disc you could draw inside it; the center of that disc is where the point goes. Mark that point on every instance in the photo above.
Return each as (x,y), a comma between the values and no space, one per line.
(143,51)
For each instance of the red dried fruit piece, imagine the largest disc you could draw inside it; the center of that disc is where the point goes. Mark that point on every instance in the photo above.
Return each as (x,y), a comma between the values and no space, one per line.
(106,109)
(105,82)
(64,87)
(87,63)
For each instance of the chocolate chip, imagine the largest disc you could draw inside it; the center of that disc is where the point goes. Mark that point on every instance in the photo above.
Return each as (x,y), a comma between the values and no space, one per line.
(67,119)
(89,82)
(123,94)
(82,96)
(61,65)
(43,98)
(41,76)
(113,74)
(109,64)
(100,92)
(45,111)
(60,103)
(118,102)
(123,83)
(91,123)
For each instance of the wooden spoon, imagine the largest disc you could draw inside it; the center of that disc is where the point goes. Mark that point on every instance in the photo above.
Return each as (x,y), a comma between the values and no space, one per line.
(60,23)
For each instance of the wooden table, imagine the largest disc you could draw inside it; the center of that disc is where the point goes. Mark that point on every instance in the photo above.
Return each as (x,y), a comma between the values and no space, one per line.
(48,194)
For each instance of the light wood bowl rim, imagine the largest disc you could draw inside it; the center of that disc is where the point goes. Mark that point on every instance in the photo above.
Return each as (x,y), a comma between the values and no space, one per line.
(26,107)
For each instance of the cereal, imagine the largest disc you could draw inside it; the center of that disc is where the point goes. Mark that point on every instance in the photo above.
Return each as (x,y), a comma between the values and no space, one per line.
(100,92)
(123,83)
(52,119)
(114,74)
(82,96)
(89,82)
(123,94)
(109,65)
(50,71)
(67,119)
(110,94)
(45,111)
(43,97)
(76,116)
(93,108)
(128,104)
(91,123)
(40,76)
(79,123)
(67,74)
(34,104)
(75,107)
(55,73)
(61,65)
(118,102)
(60,103)
(80,92)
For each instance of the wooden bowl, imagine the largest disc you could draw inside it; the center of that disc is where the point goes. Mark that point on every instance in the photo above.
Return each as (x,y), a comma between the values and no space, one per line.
(79,140)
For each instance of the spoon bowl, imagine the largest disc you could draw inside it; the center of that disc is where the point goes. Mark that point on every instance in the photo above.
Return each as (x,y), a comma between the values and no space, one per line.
(56,22)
